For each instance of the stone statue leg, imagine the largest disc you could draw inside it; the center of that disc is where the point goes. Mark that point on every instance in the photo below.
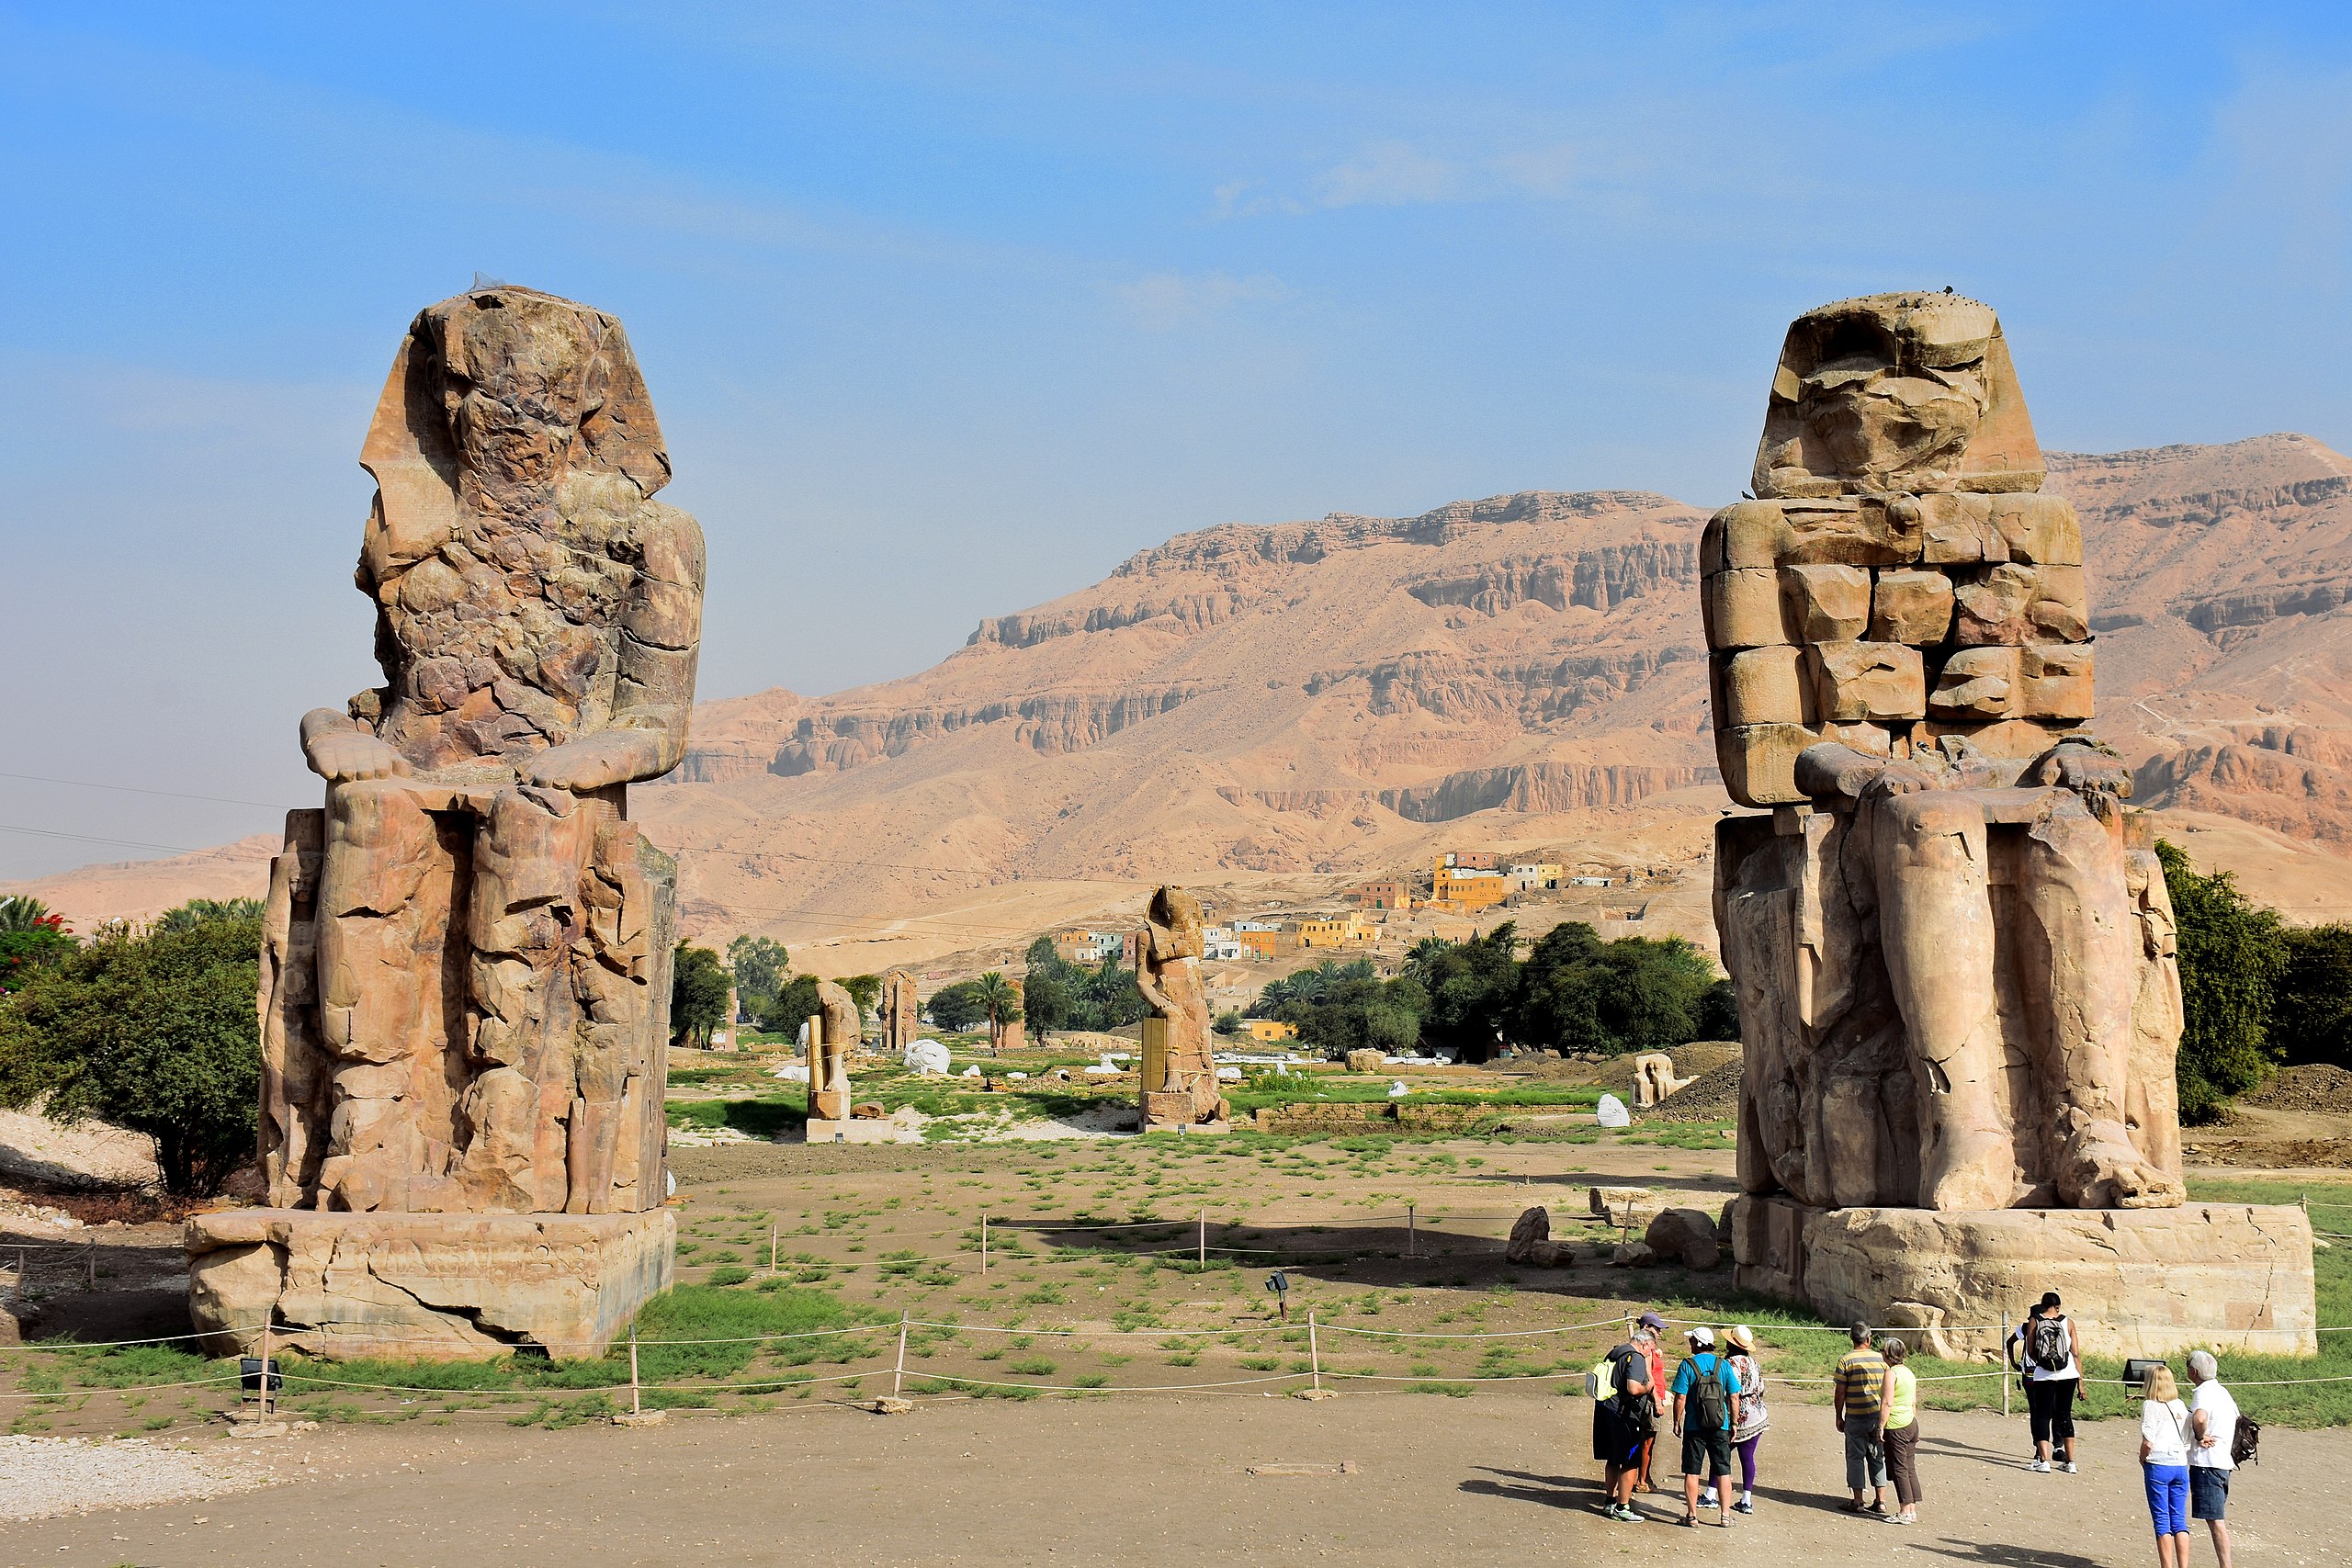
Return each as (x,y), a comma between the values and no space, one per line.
(377,1016)
(524,914)
(1935,928)
(2083,934)
(605,975)
(297,1072)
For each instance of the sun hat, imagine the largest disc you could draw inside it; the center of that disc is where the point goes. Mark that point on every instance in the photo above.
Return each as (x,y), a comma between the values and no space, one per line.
(1741,1336)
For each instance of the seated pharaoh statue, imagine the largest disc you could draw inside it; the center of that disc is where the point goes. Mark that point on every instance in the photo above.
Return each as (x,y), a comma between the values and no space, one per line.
(1951,937)
(465,981)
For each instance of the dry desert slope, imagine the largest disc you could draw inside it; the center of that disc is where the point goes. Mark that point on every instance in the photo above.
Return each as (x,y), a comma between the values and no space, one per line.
(1253,704)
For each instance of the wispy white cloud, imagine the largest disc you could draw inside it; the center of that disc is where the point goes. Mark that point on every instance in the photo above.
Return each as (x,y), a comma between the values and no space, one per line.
(1392,173)
(1161,301)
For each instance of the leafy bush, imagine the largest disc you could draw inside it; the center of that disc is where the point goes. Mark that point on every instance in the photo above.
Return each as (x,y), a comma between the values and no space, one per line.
(2233,953)
(154,1031)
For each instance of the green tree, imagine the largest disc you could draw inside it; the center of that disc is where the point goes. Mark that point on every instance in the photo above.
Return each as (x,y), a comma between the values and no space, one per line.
(958,1006)
(196,911)
(996,994)
(21,913)
(1470,985)
(1578,994)
(698,988)
(154,1031)
(1342,1006)
(864,990)
(760,968)
(2311,1007)
(792,1007)
(2233,953)
(1228,1023)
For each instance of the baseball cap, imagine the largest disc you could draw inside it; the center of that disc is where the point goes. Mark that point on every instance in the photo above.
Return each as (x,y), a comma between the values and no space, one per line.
(1652,1321)
(1702,1334)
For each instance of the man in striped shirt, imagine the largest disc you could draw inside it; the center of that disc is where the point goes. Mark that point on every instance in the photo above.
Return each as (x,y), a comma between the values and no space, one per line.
(1855,1395)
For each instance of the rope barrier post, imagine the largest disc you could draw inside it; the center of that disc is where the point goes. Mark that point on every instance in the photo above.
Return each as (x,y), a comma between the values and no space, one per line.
(1412,1231)
(771,1246)
(265,1366)
(1314,1350)
(984,1247)
(1205,1240)
(2004,1363)
(93,1263)
(635,1408)
(899,1373)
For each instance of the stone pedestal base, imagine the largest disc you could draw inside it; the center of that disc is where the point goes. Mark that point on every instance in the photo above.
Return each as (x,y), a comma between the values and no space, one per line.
(853,1130)
(1198,1129)
(2135,1281)
(438,1286)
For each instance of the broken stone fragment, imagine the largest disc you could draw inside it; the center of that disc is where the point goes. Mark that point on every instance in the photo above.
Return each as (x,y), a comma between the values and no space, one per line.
(1867,680)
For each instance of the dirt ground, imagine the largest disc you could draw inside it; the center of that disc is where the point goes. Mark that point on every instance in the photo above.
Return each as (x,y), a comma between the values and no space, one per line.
(1143,1480)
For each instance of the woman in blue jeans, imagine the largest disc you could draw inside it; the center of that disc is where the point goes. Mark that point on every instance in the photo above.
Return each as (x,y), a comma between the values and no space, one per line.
(2164,1462)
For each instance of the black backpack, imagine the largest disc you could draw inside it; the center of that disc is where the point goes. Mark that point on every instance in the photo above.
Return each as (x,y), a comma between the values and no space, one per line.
(1710,1401)
(2246,1441)
(1638,1411)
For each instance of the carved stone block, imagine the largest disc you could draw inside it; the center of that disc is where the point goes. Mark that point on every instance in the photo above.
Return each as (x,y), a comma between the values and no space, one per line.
(1993,608)
(2043,529)
(2054,681)
(1827,603)
(1742,609)
(1957,531)
(1867,680)
(1760,762)
(1976,682)
(1912,607)
(1762,685)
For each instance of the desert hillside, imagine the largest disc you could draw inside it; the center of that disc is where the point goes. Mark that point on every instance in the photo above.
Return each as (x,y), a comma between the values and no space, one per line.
(1271,709)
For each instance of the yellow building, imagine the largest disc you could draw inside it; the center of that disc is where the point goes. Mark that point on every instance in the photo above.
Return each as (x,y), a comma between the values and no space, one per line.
(1468,891)
(1266,1029)
(1264,946)
(1336,930)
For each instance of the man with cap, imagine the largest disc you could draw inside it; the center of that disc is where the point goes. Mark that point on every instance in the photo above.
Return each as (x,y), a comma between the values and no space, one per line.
(1623,1419)
(1706,1409)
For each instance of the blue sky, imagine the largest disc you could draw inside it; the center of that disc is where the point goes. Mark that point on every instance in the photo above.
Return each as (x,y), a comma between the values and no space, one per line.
(947,309)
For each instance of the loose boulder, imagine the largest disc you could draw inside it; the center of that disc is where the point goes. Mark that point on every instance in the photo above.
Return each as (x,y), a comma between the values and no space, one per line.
(1530,1242)
(1686,1236)
(1365,1061)
(928,1057)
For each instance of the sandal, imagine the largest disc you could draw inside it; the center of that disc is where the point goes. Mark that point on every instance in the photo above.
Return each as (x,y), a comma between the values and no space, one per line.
(1849,1505)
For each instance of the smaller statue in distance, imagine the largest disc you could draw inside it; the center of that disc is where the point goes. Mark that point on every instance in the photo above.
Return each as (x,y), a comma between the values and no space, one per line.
(832,1035)
(1180,1088)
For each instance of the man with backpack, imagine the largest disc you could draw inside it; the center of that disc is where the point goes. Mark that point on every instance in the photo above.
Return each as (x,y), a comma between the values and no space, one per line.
(1706,1407)
(2044,1345)
(1624,1416)
(2219,1442)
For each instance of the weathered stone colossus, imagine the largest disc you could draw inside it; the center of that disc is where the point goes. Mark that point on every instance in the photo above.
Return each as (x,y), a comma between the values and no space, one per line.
(832,1035)
(1654,1078)
(1179,1076)
(466,975)
(1951,937)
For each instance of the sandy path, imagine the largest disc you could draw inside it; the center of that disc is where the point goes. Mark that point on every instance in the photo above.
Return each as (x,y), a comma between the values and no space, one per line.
(1139,1481)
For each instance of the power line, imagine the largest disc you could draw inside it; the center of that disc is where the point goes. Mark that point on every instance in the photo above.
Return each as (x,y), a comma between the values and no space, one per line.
(134,789)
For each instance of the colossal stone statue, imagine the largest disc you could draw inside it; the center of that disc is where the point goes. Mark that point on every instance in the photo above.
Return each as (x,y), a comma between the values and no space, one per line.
(465,975)
(1180,1086)
(833,1035)
(1951,937)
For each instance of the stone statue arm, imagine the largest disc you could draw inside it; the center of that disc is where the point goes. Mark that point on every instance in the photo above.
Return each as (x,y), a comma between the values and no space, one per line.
(1148,982)
(2080,765)
(340,748)
(1831,772)
(661,637)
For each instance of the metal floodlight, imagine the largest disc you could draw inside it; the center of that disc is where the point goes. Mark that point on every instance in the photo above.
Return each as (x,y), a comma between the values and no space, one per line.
(249,1374)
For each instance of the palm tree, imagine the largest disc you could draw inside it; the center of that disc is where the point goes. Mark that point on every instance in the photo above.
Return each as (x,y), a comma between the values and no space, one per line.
(20,913)
(1424,954)
(202,911)
(1003,1004)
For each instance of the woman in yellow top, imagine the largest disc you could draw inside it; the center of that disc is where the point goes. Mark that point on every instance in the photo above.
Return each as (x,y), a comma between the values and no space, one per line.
(1898,1430)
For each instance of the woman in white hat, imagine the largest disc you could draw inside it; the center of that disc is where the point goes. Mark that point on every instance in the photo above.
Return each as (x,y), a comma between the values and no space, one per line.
(1753,1416)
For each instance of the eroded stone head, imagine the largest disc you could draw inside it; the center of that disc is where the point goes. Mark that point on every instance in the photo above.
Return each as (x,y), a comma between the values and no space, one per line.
(1898,580)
